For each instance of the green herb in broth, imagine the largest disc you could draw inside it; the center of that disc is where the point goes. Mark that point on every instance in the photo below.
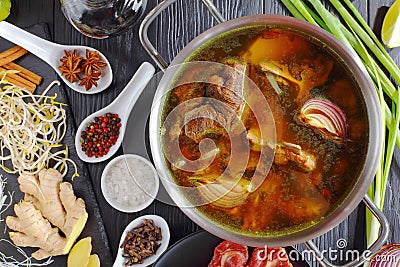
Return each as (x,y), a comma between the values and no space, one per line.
(296,206)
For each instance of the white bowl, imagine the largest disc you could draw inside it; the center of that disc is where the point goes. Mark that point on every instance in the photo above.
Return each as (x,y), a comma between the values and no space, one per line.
(158,221)
(113,202)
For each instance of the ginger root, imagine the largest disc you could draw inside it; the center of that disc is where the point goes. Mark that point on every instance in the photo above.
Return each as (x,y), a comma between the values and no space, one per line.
(94,261)
(49,206)
(80,253)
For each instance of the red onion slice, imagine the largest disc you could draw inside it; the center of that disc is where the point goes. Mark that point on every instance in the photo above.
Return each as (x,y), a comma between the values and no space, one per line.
(388,256)
(324,115)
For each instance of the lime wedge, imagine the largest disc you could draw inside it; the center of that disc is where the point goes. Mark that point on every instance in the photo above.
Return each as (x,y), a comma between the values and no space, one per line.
(391,26)
(5,6)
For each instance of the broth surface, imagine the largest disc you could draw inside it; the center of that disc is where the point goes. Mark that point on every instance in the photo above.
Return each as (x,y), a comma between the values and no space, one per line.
(294,194)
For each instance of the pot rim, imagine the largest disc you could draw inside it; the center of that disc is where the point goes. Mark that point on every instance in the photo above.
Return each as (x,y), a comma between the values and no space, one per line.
(375,132)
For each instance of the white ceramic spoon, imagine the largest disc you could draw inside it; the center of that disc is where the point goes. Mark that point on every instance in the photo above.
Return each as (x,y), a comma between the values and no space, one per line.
(122,105)
(160,222)
(51,53)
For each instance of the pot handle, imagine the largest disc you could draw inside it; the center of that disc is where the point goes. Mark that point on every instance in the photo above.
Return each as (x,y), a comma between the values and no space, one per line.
(144,27)
(366,255)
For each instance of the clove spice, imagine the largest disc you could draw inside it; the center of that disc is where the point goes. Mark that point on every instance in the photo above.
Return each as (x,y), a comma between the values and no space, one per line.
(141,242)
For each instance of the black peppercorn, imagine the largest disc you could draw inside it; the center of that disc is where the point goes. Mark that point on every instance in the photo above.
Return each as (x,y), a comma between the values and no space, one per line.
(100,135)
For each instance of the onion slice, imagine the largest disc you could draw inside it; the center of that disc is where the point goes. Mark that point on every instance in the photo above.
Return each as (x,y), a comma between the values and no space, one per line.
(388,256)
(325,116)
(222,192)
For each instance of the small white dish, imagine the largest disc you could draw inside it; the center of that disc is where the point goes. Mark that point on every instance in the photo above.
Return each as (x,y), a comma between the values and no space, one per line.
(160,222)
(150,195)
(51,53)
(122,105)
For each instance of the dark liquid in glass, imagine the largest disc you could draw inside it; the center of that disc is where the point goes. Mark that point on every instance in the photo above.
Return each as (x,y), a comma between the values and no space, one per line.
(100,20)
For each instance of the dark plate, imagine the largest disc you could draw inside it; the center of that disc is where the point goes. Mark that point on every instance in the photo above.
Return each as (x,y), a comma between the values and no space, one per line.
(197,249)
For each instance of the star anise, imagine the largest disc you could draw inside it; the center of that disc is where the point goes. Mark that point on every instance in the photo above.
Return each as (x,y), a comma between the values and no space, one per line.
(70,66)
(70,57)
(73,64)
(90,80)
(92,62)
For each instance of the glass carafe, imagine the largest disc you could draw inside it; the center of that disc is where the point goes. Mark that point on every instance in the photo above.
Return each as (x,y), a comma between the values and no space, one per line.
(102,18)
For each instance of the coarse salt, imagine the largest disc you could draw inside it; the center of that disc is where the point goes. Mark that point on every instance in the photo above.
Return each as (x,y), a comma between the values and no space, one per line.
(130,182)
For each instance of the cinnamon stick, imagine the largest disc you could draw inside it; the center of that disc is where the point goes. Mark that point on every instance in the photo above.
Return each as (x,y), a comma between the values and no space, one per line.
(24,73)
(24,78)
(19,81)
(10,51)
(19,53)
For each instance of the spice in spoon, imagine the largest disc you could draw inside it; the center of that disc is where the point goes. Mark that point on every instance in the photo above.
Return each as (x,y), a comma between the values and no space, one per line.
(87,71)
(100,135)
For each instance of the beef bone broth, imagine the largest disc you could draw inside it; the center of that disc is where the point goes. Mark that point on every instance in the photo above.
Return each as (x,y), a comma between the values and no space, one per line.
(320,121)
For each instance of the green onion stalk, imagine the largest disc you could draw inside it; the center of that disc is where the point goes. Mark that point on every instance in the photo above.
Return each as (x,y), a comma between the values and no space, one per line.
(358,37)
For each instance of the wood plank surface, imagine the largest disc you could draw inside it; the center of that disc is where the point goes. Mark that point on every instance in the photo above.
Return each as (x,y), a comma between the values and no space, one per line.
(175,27)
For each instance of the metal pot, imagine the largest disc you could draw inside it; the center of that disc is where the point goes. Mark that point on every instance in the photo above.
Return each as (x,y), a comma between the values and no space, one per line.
(373,111)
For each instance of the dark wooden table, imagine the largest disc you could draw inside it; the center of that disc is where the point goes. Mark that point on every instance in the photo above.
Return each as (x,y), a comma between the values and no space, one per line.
(175,28)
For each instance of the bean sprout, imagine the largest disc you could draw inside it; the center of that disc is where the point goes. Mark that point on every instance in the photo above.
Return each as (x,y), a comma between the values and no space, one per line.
(10,261)
(3,198)
(31,127)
